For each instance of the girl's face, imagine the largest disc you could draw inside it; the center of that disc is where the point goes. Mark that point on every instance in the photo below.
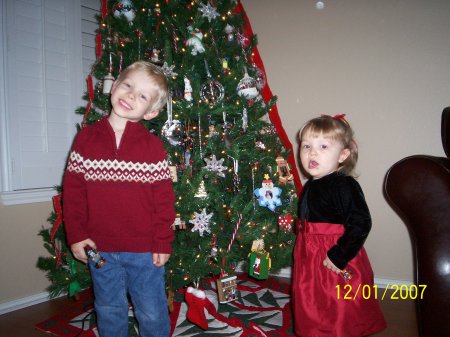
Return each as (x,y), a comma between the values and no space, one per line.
(321,154)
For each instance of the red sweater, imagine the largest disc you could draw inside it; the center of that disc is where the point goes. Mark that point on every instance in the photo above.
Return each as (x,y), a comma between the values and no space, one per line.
(120,197)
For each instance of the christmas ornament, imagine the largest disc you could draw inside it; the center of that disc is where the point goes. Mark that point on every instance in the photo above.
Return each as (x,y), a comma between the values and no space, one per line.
(244,120)
(173,173)
(212,91)
(260,78)
(208,11)
(236,178)
(195,41)
(171,129)
(201,193)
(187,89)
(155,56)
(247,87)
(178,223)
(196,299)
(257,245)
(109,79)
(168,70)
(229,30)
(201,222)
(268,195)
(108,83)
(227,288)
(260,145)
(283,171)
(214,165)
(259,265)
(212,131)
(125,8)
(285,222)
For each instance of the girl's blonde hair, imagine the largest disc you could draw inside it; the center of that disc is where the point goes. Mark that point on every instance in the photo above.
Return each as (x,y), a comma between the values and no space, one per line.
(159,81)
(338,129)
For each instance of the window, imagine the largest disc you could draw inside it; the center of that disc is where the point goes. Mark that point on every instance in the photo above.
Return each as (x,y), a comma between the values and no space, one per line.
(47,51)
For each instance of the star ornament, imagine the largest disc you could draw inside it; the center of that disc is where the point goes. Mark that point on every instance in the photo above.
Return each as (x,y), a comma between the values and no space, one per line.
(215,165)
(168,70)
(201,222)
(208,11)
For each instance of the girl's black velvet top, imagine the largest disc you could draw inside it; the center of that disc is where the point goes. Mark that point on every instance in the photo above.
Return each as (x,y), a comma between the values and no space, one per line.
(338,199)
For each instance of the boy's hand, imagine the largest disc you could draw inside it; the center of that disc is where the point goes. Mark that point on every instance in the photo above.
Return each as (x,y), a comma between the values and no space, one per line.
(160,259)
(78,249)
(330,265)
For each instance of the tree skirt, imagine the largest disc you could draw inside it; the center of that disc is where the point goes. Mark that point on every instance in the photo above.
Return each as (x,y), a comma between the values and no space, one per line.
(262,308)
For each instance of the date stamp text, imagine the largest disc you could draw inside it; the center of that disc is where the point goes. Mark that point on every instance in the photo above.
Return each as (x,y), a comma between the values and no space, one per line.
(365,291)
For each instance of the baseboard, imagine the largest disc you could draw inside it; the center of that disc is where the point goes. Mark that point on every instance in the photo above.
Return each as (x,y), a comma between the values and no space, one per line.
(380,282)
(24,302)
(285,272)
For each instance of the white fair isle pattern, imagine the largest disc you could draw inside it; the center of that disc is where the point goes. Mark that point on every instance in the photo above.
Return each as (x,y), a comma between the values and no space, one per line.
(114,170)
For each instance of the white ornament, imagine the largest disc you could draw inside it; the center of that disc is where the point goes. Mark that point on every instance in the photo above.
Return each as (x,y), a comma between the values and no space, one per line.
(247,87)
(320,5)
(107,83)
(201,222)
(168,71)
(214,165)
(171,130)
(125,8)
(195,41)
(187,89)
(208,11)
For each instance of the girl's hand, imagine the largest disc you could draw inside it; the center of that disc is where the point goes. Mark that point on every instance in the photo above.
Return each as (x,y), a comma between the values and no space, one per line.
(330,265)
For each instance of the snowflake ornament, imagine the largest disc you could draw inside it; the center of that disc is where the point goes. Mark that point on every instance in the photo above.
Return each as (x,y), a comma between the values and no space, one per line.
(208,11)
(215,165)
(168,70)
(201,222)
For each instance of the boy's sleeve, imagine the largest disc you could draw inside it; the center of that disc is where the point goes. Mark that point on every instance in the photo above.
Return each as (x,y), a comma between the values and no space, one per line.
(357,223)
(164,210)
(74,197)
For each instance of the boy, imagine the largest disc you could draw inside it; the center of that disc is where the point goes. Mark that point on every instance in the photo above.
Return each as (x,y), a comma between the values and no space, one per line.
(119,199)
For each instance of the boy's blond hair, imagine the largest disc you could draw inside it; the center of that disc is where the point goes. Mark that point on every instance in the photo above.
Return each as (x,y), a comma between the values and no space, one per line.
(159,81)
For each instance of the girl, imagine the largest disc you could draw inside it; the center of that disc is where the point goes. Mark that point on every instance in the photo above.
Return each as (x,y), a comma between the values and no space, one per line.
(330,264)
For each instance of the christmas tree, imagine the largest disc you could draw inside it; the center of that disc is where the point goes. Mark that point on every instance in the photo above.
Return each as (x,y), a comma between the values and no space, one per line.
(231,162)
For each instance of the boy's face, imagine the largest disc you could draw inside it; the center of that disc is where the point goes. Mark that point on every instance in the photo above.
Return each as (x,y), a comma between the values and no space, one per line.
(132,98)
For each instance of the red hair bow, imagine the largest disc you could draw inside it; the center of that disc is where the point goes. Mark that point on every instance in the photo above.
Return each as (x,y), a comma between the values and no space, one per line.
(341,116)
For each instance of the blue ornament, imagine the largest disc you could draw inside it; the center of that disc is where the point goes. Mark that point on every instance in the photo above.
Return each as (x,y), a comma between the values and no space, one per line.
(268,195)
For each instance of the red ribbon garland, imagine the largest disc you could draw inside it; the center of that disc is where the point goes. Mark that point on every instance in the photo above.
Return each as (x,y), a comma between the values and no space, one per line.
(59,218)
(267,95)
(104,9)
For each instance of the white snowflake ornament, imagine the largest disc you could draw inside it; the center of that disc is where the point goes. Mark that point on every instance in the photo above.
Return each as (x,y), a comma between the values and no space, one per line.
(201,222)
(169,70)
(208,11)
(215,165)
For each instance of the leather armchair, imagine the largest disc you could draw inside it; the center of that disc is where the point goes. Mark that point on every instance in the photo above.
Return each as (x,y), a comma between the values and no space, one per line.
(418,189)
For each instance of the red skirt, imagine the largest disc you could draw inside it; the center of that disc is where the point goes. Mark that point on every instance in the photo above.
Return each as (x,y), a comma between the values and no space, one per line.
(324,303)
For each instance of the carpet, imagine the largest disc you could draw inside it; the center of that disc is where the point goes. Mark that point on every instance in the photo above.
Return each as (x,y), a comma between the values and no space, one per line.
(261,309)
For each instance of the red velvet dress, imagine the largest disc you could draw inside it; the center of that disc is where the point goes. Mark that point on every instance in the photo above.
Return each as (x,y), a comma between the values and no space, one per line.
(335,223)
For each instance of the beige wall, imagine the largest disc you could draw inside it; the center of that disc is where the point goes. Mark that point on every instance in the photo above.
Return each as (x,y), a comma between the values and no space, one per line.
(20,247)
(384,63)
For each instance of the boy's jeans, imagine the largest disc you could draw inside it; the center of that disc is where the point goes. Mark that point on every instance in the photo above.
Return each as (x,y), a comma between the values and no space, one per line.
(132,273)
